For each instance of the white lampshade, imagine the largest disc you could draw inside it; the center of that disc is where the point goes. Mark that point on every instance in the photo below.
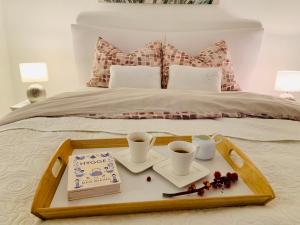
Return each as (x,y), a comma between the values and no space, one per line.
(288,81)
(33,72)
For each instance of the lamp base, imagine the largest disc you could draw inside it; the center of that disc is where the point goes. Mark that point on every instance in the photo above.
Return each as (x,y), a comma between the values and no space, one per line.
(288,96)
(35,93)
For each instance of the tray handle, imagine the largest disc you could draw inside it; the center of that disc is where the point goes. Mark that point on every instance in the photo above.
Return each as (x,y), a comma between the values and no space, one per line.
(245,168)
(51,177)
(57,167)
(236,159)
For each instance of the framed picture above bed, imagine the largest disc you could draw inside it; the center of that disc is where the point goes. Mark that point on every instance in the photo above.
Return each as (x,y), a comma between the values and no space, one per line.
(195,2)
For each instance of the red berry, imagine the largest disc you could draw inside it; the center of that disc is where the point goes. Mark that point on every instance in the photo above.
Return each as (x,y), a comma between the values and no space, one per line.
(223,179)
(192,187)
(148,178)
(227,184)
(217,175)
(234,177)
(205,182)
(228,175)
(215,185)
(201,192)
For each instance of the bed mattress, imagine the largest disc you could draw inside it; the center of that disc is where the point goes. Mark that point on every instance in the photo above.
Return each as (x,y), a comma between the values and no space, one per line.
(272,144)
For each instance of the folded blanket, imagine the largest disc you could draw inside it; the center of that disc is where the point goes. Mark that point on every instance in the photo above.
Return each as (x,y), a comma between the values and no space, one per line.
(126,103)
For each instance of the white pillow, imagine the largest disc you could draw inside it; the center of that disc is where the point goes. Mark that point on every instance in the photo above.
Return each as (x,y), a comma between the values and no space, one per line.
(135,77)
(195,78)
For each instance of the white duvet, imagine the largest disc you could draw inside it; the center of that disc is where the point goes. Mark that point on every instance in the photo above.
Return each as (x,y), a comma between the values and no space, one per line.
(273,145)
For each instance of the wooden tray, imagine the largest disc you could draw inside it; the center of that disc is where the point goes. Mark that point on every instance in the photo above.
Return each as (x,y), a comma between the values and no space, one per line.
(250,175)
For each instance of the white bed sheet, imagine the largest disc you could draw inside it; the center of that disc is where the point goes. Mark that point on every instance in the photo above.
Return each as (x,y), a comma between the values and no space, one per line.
(25,152)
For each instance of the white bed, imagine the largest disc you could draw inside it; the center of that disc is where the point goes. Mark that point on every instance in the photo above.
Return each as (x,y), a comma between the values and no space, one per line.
(273,144)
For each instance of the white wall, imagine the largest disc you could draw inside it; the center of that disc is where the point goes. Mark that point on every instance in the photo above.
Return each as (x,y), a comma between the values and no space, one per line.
(39,30)
(6,93)
(281,43)
(279,52)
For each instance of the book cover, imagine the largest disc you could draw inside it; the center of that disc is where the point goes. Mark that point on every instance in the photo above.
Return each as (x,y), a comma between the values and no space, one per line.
(92,175)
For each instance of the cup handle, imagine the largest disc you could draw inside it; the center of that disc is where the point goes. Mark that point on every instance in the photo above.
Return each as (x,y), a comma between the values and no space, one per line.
(217,135)
(153,139)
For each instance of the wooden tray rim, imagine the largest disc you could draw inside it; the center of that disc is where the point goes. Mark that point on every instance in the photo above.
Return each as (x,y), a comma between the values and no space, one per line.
(262,194)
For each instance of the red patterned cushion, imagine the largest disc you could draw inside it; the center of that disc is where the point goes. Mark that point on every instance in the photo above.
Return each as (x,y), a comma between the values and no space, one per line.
(107,55)
(214,56)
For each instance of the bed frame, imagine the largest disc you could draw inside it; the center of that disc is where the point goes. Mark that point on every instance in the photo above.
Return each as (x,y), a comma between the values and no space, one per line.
(189,27)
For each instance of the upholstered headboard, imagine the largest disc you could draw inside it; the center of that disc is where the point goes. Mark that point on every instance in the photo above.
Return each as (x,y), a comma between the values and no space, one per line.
(190,28)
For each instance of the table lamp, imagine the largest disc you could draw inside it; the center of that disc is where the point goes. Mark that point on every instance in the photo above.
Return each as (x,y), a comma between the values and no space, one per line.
(288,81)
(34,73)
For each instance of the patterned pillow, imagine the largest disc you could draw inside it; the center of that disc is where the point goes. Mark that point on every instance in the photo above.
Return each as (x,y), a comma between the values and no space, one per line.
(107,55)
(214,56)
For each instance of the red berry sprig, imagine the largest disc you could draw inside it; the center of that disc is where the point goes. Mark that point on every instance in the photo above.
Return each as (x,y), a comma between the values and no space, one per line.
(218,182)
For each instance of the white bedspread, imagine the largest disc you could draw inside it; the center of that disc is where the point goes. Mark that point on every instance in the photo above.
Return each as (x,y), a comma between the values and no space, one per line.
(274,146)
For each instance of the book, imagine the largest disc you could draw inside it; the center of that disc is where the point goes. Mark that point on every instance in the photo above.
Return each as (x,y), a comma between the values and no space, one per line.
(91,175)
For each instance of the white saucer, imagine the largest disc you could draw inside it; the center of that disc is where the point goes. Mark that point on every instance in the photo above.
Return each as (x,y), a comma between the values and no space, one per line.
(124,158)
(165,169)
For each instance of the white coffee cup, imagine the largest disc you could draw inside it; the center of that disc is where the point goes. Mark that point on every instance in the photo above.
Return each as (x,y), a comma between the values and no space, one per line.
(139,144)
(206,146)
(182,155)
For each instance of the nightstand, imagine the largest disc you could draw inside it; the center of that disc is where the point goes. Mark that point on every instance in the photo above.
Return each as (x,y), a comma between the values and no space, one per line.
(20,105)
